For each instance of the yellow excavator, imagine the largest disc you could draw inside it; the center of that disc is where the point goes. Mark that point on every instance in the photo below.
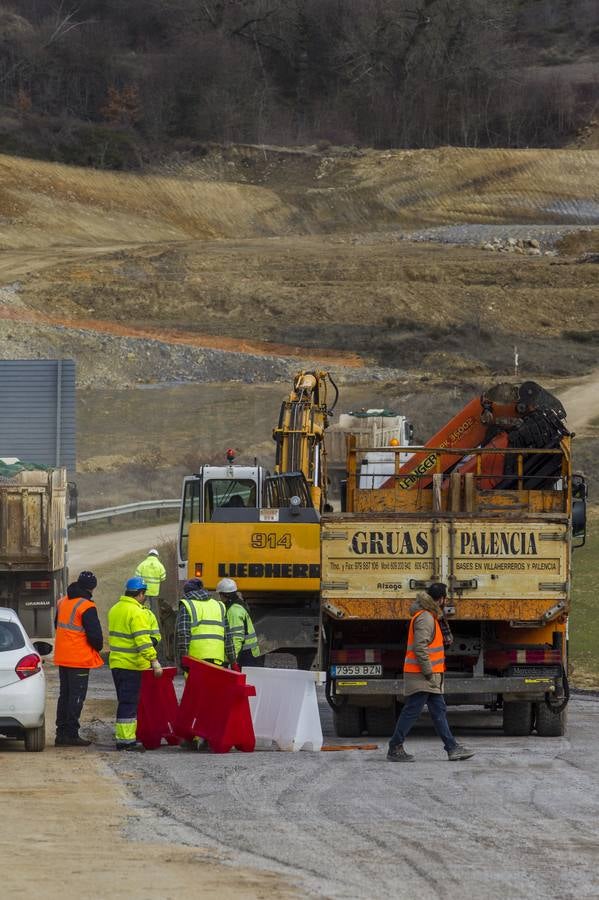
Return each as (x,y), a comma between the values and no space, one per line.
(263,529)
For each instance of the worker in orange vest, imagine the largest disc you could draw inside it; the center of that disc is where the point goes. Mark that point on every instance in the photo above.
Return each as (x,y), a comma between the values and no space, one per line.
(76,650)
(424,666)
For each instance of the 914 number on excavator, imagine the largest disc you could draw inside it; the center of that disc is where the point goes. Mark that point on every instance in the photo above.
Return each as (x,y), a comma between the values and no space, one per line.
(269,540)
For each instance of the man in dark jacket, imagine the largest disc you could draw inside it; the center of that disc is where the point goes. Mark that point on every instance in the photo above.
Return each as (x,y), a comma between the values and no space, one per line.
(423,676)
(194,590)
(77,649)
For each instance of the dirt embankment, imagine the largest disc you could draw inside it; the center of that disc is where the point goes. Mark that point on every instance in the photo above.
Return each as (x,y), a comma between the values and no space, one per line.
(64,818)
(251,263)
(294,254)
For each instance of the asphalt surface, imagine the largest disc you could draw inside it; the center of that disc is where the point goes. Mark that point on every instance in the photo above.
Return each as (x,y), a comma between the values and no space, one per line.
(519,820)
(98,549)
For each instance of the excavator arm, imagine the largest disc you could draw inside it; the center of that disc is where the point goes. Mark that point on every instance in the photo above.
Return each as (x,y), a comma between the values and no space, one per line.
(299,435)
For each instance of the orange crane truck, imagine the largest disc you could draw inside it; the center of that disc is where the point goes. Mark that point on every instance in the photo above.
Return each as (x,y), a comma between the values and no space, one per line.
(491,507)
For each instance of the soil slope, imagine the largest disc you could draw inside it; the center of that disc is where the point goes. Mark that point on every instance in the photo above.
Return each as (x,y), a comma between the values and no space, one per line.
(253,262)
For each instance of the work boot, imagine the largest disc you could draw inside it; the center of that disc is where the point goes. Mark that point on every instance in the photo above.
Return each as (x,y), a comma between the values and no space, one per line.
(131,748)
(76,741)
(398,754)
(60,740)
(459,752)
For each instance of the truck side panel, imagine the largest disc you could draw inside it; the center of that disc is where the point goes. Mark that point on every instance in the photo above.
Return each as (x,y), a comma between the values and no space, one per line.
(495,569)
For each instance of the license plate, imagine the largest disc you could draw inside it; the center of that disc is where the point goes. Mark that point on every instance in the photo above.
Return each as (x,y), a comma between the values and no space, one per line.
(344,671)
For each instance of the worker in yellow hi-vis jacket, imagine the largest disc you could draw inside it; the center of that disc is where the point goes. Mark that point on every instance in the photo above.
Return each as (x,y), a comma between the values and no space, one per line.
(132,652)
(245,640)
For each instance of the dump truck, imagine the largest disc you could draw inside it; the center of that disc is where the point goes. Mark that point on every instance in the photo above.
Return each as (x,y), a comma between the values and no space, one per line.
(491,507)
(33,521)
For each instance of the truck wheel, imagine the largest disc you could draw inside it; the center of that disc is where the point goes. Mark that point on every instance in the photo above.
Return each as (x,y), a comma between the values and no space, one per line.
(548,723)
(517,718)
(380,720)
(348,721)
(35,738)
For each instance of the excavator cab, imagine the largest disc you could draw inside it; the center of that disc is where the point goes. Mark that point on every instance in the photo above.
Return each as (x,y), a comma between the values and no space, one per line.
(241,494)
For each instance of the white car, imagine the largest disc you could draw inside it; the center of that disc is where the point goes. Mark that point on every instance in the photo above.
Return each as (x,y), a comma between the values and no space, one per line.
(22,683)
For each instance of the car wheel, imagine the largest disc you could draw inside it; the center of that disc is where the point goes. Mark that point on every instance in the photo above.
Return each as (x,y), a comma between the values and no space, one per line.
(35,738)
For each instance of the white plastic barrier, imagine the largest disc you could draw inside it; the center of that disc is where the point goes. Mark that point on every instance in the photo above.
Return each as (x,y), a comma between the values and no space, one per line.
(285,709)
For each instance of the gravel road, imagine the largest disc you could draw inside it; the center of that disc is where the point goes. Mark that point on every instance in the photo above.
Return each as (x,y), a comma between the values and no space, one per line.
(518,820)
(98,549)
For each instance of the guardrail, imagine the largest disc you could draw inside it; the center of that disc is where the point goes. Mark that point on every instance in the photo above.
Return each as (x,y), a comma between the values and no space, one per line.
(92,514)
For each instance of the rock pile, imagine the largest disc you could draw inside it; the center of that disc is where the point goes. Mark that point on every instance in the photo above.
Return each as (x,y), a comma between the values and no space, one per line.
(525,246)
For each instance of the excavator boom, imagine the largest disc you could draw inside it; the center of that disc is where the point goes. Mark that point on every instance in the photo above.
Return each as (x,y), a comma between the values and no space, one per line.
(299,435)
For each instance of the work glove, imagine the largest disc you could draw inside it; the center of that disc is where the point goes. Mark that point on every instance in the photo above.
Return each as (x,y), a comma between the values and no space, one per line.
(157,668)
(236,667)
(430,677)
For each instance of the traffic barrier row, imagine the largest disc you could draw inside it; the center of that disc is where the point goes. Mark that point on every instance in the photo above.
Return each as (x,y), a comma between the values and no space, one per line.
(231,709)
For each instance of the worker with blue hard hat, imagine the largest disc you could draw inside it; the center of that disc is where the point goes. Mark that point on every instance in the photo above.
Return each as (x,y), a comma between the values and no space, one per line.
(132,636)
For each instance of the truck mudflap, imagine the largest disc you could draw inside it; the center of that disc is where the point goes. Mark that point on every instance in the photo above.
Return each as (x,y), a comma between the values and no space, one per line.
(528,687)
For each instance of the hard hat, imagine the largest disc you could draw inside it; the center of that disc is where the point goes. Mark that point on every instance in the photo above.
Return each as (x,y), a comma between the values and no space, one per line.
(87,581)
(153,552)
(136,584)
(226,586)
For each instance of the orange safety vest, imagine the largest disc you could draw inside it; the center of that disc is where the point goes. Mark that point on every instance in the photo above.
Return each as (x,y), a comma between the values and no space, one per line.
(436,651)
(71,648)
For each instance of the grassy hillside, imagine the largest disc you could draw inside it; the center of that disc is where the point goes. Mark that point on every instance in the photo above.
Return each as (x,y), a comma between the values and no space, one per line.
(584,621)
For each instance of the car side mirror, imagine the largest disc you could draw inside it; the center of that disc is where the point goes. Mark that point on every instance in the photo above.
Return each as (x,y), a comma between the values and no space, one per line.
(43,648)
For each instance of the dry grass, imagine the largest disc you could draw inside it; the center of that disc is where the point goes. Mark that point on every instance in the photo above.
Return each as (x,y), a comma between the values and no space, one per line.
(49,204)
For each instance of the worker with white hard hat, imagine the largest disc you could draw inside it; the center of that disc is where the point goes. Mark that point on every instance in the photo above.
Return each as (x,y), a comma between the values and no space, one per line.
(245,640)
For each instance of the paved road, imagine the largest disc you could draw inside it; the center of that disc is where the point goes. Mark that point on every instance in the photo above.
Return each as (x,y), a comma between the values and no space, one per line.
(97,549)
(519,820)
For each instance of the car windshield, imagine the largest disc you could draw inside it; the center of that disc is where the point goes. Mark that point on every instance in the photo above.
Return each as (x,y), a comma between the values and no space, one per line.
(11,637)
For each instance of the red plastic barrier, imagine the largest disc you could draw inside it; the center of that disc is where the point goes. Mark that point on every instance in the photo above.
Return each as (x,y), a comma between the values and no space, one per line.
(215,707)
(157,709)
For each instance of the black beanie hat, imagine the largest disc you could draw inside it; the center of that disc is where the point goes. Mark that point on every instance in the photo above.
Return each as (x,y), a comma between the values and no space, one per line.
(87,581)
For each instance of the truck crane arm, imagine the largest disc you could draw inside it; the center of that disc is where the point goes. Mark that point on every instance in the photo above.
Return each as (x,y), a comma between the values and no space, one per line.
(506,415)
